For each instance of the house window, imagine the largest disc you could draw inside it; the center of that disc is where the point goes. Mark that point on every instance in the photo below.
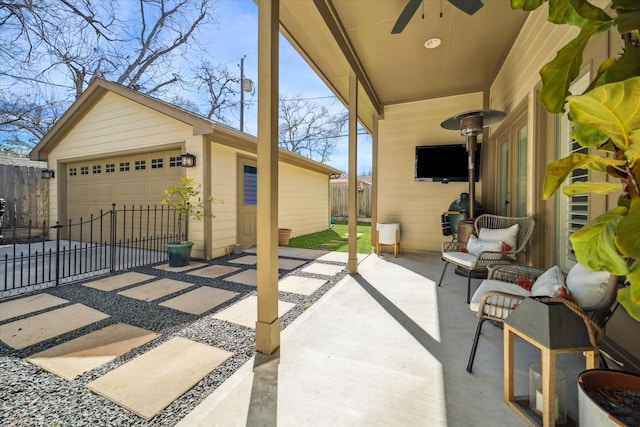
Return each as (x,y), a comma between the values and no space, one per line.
(84,170)
(175,162)
(250,190)
(156,163)
(573,211)
(141,165)
(110,168)
(124,166)
(73,171)
(97,169)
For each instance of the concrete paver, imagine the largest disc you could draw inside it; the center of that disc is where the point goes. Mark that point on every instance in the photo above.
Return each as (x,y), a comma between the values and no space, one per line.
(300,285)
(247,277)
(150,382)
(29,304)
(199,300)
(324,269)
(75,357)
(31,330)
(245,312)
(118,281)
(213,271)
(154,290)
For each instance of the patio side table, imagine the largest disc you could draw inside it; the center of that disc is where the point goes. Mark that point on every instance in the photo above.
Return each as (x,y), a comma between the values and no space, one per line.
(548,359)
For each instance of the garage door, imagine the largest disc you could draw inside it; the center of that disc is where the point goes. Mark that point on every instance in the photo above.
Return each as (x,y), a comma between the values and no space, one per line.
(135,180)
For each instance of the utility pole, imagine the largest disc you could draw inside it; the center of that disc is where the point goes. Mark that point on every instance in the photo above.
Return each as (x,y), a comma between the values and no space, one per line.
(242,93)
(246,85)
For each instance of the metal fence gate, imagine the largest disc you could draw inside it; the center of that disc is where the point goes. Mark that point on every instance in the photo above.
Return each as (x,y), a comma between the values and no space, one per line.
(110,241)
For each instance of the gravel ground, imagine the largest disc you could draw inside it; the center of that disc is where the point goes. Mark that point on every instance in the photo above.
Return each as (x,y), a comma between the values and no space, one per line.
(30,396)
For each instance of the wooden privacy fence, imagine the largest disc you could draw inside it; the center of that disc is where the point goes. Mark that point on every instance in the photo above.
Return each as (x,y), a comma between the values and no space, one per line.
(340,201)
(26,194)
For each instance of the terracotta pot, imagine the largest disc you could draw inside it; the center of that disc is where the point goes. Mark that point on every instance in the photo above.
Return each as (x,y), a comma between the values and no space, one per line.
(284,234)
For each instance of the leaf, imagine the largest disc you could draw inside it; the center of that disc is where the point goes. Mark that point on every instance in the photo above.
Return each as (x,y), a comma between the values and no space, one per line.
(628,20)
(594,244)
(628,233)
(613,108)
(633,152)
(558,170)
(629,296)
(558,74)
(590,12)
(627,65)
(591,187)
(563,12)
(588,136)
(527,5)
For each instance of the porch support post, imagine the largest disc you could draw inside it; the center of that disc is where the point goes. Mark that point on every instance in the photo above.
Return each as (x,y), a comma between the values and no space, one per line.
(374,181)
(352,264)
(268,324)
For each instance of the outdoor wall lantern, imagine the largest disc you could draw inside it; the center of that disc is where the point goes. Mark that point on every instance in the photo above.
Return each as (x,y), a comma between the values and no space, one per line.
(188,160)
(48,174)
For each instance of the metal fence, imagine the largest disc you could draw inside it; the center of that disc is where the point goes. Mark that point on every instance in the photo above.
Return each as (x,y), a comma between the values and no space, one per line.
(110,241)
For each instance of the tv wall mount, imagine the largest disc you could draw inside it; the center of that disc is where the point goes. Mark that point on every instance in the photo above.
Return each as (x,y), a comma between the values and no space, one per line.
(470,124)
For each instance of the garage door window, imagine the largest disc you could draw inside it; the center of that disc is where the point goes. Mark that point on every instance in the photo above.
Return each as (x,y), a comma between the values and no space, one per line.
(73,171)
(141,165)
(110,168)
(97,169)
(157,163)
(175,162)
(84,170)
(124,166)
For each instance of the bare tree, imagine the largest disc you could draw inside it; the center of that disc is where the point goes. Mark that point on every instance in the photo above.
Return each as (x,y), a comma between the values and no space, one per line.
(50,50)
(221,87)
(308,128)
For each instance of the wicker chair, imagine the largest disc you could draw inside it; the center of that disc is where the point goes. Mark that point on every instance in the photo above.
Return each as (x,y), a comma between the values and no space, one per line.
(474,264)
(500,295)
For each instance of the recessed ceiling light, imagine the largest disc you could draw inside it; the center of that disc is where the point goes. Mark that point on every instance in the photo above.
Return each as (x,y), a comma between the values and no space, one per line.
(432,43)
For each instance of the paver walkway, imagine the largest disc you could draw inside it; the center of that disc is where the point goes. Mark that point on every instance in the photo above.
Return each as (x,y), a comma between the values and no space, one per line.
(152,380)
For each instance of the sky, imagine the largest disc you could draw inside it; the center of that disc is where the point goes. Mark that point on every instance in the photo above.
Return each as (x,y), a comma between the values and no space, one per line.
(236,35)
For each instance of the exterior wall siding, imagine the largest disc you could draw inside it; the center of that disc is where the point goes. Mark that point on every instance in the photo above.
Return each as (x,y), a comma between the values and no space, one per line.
(417,206)
(303,203)
(518,82)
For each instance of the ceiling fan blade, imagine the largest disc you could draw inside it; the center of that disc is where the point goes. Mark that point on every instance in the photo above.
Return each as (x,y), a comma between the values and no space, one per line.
(405,16)
(467,6)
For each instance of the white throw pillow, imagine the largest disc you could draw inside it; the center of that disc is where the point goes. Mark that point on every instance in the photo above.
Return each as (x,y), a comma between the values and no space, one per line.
(506,235)
(475,245)
(549,283)
(586,286)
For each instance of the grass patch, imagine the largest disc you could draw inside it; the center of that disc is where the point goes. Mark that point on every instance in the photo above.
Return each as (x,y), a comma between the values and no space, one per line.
(335,239)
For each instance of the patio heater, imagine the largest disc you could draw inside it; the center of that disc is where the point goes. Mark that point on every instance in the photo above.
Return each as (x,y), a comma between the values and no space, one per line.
(470,124)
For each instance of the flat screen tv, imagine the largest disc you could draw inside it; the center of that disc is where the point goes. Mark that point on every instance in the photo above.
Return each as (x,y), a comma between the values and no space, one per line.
(445,163)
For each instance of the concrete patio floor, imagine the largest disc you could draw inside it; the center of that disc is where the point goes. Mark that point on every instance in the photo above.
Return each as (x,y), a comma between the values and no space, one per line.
(386,347)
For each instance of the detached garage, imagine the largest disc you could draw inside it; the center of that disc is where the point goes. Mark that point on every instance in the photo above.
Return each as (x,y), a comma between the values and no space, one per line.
(115,145)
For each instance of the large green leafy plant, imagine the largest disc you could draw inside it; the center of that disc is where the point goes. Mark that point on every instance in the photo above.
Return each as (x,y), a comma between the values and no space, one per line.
(606,117)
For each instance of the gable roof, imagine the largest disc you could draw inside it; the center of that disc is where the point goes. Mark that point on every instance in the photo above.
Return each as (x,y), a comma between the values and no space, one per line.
(213,131)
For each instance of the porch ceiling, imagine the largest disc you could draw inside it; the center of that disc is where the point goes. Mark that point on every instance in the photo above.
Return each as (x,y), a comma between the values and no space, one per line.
(336,35)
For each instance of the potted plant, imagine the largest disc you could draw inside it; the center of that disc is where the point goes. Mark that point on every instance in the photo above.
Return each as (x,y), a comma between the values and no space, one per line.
(185,198)
(606,118)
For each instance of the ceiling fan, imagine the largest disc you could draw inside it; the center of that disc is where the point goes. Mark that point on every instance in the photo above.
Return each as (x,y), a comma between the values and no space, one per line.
(467,6)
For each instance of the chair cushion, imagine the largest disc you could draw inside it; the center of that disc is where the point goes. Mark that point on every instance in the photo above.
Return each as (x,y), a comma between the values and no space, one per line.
(549,283)
(475,245)
(460,258)
(587,287)
(495,285)
(507,235)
